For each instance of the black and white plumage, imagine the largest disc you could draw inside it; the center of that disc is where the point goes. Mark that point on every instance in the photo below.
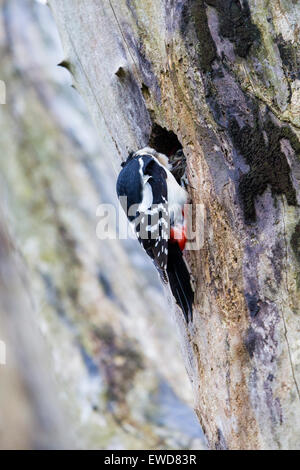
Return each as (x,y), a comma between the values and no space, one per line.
(154,204)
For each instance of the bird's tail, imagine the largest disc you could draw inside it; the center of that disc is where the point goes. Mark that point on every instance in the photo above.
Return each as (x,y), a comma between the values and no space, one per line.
(180,281)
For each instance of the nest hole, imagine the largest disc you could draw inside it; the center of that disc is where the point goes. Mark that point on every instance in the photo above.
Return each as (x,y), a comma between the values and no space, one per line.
(167,142)
(164,141)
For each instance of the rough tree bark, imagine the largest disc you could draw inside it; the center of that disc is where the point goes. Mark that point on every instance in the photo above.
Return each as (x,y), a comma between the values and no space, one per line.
(224,77)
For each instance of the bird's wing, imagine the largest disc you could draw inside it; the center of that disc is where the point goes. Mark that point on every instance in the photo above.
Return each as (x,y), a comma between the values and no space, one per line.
(144,183)
(153,229)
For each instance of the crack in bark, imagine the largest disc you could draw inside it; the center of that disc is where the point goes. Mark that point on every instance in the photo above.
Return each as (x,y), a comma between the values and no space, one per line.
(124,39)
(95,96)
(274,111)
(253,91)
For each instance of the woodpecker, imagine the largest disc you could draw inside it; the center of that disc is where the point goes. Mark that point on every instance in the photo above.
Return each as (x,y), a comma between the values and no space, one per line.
(154,205)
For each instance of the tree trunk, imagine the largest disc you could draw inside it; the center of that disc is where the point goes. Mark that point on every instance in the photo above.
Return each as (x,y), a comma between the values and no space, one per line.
(112,385)
(30,413)
(223,76)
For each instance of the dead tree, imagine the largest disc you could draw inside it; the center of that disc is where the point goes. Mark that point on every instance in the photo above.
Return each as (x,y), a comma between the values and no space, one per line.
(222,79)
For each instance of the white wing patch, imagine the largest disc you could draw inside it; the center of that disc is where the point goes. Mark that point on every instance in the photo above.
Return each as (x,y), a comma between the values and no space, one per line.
(147,200)
(155,228)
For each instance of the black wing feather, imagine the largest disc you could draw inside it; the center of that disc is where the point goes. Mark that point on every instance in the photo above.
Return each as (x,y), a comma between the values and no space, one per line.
(156,243)
(156,217)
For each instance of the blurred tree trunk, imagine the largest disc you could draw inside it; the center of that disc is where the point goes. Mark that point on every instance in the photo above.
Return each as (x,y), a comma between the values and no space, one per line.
(224,77)
(105,355)
(30,413)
